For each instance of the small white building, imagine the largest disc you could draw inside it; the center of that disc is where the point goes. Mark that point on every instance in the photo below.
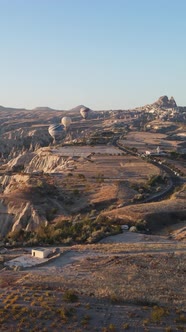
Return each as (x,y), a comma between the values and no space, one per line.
(41,252)
(148,153)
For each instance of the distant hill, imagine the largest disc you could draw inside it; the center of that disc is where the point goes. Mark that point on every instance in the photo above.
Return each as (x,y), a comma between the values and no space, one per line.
(2,108)
(43,108)
(77,108)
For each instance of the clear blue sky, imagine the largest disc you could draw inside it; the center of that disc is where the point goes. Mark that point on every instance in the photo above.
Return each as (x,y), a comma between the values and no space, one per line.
(105,54)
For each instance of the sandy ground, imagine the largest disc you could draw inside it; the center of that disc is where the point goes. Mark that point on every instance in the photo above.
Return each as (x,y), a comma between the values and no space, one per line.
(130,237)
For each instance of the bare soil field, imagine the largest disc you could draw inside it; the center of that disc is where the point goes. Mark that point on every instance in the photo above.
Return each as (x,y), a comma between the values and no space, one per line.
(149,141)
(116,167)
(106,177)
(85,151)
(102,287)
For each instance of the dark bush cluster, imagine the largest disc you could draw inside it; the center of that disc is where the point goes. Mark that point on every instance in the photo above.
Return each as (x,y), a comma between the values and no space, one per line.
(156,179)
(68,232)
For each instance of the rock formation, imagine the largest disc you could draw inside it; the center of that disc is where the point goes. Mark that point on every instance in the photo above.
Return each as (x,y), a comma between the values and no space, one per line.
(165,102)
(25,196)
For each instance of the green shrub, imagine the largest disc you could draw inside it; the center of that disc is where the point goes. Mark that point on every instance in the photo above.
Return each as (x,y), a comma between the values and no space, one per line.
(155,179)
(100,178)
(81,176)
(76,192)
(70,296)
(181,319)
(158,313)
(168,329)
(50,213)
(141,225)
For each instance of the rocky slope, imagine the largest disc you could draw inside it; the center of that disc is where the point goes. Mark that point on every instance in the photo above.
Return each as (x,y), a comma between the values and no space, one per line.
(30,191)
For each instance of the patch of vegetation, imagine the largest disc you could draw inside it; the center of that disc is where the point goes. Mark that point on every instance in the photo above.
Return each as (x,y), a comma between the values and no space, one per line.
(50,213)
(138,197)
(42,184)
(85,320)
(174,155)
(81,176)
(126,326)
(76,192)
(158,313)
(110,328)
(35,315)
(18,168)
(70,174)
(67,232)
(70,296)
(181,318)
(141,225)
(100,178)
(155,179)
(168,329)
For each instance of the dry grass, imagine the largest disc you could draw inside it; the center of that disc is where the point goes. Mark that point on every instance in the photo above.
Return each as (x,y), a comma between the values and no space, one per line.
(107,289)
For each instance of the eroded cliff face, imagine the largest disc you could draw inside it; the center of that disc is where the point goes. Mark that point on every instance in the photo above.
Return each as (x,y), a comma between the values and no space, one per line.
(18,215)
(13,141)
(9,183)
(27,218)
(43,160)
(6,219)
(28,192)
(16,210)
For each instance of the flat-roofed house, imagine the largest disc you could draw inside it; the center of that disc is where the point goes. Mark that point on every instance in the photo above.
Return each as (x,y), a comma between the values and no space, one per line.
(41,252)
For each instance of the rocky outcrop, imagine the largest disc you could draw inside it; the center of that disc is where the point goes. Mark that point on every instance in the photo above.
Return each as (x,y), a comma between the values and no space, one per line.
(10,182)
(15,141)
(27,219)
(165,102)
(44,160)
(45,163)
(16,216)
(18,163)
(26,198)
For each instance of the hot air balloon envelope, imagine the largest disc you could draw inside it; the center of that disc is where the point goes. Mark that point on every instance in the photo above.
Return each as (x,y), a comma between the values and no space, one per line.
(66,121)
(56,131)
(84,111)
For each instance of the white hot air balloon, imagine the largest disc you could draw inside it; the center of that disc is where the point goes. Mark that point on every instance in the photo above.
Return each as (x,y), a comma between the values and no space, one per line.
(84,112)
(56,131)
(66,121)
